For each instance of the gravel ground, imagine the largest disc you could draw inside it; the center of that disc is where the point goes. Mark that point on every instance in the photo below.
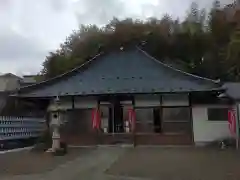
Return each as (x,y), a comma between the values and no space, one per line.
(178,164)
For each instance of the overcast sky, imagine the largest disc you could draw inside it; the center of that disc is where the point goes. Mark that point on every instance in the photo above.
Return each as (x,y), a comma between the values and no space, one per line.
(29,29)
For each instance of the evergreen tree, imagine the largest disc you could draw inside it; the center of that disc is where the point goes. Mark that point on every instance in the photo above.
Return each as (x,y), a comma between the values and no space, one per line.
(205,43)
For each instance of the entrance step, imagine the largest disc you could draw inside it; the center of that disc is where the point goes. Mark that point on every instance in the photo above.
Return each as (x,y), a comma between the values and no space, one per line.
(115,139)
(159,139)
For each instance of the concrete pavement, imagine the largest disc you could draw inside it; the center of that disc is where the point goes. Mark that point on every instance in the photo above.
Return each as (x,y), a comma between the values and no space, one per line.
(91,166)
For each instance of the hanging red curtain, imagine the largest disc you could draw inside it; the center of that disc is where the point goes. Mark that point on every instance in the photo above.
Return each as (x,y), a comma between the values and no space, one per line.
(96,120)
(232,121)
(132,118)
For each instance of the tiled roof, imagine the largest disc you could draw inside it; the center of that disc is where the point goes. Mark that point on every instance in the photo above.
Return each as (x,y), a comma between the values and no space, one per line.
(127,71)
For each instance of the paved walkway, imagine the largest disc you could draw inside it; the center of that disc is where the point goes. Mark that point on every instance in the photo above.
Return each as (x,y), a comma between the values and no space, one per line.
(25,162)
(89,167)
(185,163)
(145,163)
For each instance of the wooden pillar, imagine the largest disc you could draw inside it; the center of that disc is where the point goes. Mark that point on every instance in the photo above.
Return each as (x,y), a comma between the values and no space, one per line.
(161,113)
(134,129)
(73,102)
(98,132)
(191,116)
(237,126)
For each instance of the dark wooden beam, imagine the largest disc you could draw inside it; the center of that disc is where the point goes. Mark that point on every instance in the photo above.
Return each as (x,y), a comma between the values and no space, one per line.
(73,102)
(191,116)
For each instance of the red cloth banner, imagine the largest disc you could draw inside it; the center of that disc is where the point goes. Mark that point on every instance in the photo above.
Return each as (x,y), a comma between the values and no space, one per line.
(96,119)
(232,121)
(132,118)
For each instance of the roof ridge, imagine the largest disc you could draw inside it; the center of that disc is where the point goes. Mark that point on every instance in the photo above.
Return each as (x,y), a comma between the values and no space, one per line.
(175,69)
(62,75)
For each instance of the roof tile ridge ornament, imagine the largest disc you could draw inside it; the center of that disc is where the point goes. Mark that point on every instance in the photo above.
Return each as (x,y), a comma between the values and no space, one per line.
(62,75)
(178,70)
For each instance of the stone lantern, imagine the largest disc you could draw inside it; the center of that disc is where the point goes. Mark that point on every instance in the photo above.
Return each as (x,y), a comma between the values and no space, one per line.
(55,123)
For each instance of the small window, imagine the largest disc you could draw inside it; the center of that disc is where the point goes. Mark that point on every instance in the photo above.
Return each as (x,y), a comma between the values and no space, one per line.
(217,114)
(55,116)
(175,100)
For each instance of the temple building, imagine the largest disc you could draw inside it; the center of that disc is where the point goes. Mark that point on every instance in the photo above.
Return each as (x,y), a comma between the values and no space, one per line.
(128,97)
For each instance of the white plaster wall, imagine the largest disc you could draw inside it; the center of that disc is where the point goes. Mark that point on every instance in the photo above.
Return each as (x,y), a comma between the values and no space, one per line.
(175,100)
(147,100)
(167,100)
(79,103)
(85,102)
(207,131)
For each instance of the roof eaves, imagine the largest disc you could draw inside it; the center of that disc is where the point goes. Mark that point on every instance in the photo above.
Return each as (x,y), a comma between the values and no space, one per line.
(10,75)
(61,75)
(122,93)
(178,70)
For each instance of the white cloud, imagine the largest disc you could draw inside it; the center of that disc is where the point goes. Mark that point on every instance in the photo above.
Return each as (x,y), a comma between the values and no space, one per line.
(30,29)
